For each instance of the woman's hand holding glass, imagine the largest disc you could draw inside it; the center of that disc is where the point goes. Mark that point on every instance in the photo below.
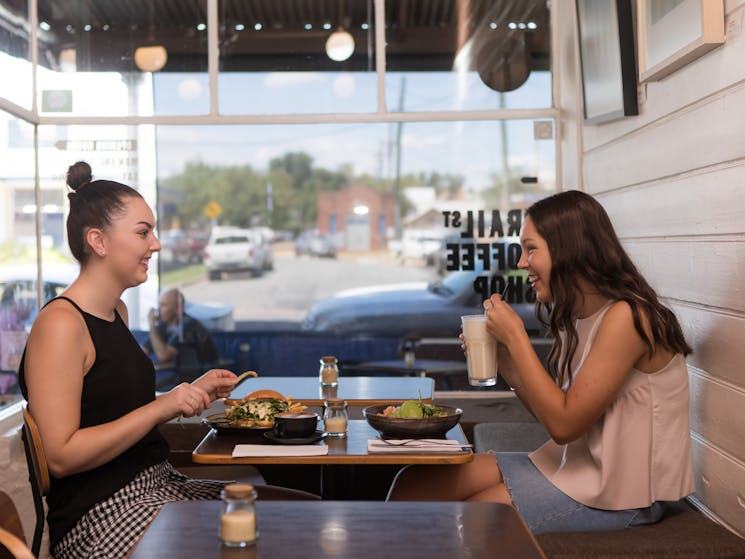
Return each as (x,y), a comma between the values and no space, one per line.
(502,321)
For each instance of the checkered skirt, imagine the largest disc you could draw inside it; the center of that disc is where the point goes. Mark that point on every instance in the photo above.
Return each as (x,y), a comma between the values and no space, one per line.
(113,526)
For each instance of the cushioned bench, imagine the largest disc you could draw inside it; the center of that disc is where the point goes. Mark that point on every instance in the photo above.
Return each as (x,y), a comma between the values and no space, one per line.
(683,533)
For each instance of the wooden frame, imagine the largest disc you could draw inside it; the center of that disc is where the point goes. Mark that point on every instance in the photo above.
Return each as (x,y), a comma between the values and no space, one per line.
(673,33)
(606,45)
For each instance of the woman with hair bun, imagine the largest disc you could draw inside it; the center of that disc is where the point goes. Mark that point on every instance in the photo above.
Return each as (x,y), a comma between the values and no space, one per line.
(614,399)
(91,389)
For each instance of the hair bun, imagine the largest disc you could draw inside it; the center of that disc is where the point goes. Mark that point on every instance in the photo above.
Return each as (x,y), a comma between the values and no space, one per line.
(78,175)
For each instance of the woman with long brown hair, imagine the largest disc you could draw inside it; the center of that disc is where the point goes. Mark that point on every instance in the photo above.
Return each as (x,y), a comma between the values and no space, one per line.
(614,399)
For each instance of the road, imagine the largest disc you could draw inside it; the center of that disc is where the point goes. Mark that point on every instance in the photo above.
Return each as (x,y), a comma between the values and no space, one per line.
(295,284)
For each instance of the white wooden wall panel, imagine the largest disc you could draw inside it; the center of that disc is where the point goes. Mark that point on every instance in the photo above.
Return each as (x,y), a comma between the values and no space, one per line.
(707,272)
(673,182)
(718,342)
(717,414)
(706,134)
(731,5)
(720,484)
(566,74)
(701,203)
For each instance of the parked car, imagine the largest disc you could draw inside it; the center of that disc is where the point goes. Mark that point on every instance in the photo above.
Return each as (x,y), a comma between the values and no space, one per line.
(417,309)
(263,247)
(314,244)
(18,287)
(417,244)
(234,250)
(185,247)
(441,256)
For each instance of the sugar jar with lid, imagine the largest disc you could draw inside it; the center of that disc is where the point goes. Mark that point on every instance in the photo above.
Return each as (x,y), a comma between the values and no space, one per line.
(328,373)
(238,516)
(335,417)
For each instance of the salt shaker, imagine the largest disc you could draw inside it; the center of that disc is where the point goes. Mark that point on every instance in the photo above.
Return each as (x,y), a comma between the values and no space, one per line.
(238,517)
(328,374)
(335,417)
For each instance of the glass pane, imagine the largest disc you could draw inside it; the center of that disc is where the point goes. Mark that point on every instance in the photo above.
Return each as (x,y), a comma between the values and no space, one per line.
(18,293)
(15,52)
(103,58)
(303,57)
(467,56)
(120,153)
(375,211)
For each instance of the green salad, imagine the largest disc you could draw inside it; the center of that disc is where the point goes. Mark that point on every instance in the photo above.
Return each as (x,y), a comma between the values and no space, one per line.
(414,409)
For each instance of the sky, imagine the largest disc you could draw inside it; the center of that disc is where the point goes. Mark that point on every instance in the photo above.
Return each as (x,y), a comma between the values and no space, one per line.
(471,149)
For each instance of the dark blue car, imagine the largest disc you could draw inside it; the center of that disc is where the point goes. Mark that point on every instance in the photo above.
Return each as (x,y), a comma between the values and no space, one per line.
(420,309)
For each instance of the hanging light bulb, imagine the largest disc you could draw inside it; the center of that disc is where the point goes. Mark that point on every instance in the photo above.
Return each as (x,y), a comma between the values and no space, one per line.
(339,45)
(152,58)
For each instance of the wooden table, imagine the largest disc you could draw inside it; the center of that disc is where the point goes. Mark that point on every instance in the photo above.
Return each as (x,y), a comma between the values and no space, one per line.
(342,465)
(357,391)
(365,529)
(352,450)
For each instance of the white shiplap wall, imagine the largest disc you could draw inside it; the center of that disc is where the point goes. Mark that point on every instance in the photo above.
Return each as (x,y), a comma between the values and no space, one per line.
(673,182)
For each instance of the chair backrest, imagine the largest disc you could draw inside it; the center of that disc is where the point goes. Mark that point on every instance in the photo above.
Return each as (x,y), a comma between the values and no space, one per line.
(12,547)
(38,473)
(36,452)
(12,540)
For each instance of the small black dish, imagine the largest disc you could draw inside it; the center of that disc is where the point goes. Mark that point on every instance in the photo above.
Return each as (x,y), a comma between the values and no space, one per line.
(314,438)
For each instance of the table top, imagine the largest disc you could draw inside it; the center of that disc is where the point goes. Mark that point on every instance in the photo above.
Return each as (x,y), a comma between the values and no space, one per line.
(321,529)
(218,449)
(400,366)
(357,391)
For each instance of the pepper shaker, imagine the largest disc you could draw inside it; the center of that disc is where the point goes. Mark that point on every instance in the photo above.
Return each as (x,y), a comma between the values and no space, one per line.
(328,374)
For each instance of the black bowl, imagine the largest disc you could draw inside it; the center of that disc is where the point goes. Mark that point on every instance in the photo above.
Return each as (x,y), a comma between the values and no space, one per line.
(412,428)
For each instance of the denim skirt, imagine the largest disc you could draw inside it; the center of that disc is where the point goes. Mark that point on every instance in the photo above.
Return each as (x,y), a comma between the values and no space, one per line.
(546,508)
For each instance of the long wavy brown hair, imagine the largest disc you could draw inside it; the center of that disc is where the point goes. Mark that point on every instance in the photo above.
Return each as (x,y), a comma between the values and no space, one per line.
(583,244)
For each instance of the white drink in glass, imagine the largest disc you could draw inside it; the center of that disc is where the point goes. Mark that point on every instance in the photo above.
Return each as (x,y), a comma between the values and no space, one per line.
(481,351)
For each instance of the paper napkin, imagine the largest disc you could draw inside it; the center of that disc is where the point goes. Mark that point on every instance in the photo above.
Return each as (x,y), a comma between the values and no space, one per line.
(415,446)
(257,450)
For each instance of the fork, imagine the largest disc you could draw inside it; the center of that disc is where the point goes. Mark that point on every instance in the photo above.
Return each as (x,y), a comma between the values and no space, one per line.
(429,442)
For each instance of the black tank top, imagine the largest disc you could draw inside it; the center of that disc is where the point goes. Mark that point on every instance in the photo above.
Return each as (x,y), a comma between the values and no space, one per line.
(121,379)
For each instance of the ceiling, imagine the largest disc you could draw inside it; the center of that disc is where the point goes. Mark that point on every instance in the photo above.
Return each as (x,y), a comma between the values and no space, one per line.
(421,35)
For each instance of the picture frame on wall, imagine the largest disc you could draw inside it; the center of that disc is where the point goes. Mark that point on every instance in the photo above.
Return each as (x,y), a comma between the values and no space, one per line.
(673,33)
(608,65)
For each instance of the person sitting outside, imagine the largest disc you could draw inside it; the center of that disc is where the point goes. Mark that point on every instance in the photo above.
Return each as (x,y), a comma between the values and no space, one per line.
(172,329)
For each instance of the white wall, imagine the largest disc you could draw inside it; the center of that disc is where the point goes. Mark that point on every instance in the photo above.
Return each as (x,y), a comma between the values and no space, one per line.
(673,182)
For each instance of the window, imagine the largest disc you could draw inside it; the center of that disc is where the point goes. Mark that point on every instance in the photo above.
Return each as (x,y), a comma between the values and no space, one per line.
(347,177)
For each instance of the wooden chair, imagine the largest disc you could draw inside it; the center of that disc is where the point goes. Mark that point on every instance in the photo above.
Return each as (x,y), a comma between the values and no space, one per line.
(12,540)
(38,474)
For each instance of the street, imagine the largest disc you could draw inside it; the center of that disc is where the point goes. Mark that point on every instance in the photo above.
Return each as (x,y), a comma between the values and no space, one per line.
(287,292)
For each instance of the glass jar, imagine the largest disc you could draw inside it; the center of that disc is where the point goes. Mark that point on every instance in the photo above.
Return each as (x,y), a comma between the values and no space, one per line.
(335,417)
(328,374)
(238,517)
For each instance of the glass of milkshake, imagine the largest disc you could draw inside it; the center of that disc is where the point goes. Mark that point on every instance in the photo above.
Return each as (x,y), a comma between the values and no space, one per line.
(481,351)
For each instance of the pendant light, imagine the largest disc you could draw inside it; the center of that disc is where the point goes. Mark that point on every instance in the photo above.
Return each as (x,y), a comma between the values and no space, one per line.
(340,44)
(151,57)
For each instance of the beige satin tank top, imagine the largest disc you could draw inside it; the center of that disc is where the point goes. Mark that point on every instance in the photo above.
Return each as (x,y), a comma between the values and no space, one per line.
(639,451)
